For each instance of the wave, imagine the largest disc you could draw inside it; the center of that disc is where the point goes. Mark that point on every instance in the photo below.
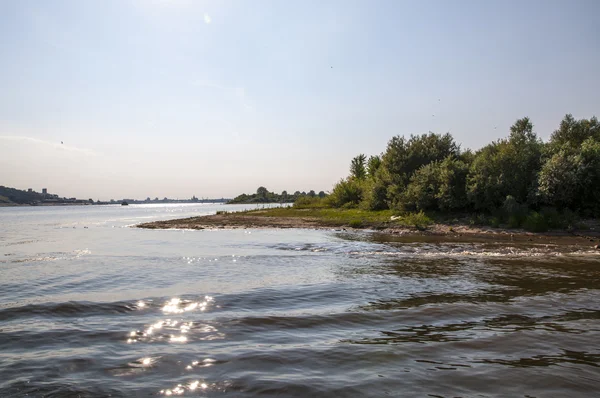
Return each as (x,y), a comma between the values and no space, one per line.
(67,309)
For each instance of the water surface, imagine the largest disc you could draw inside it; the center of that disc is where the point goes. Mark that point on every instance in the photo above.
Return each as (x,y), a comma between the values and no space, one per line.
(92,307)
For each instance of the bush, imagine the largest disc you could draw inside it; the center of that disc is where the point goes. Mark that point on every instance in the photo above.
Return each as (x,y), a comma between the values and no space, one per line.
(420,194)
(374,195)
(495,222)
(346,192)
(552,217)
(535,222)
(513,212)
(513,222)
(355,224)
(436,186)
(506,167)
(419,220)
(307,202)
(481,219)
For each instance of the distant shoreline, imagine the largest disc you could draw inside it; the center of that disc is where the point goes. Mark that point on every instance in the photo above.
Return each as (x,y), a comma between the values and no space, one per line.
(262,219)
(44,204)
(96,204)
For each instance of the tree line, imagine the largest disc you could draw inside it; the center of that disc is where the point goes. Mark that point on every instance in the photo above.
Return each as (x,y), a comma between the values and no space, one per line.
(263,195)
(515,177)
(13,195)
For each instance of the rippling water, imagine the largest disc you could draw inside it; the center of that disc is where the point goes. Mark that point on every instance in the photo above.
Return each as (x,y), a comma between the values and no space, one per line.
(90,307)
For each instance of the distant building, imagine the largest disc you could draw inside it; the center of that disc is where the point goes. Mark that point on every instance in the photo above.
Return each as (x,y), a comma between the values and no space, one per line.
(29,190)
(44,191)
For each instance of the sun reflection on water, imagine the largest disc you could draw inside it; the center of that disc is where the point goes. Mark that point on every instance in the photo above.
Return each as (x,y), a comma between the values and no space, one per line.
(180,389)
(178,306)
(176,330)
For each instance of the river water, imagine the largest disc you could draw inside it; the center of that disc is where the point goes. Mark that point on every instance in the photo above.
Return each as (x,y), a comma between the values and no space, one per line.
(90,307)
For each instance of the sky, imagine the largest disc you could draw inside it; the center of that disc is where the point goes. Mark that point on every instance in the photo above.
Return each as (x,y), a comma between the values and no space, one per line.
(136,98)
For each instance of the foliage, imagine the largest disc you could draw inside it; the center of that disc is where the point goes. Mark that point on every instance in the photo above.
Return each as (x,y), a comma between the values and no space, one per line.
(572,133)
(373,165)
(403,158)
(374,195)
(506,167)
(535,222)
(358,169)
(517,181)
(571,178)
(418,220)
(355,224)
(348,192)
(310,202)
(437,186)
(263,195)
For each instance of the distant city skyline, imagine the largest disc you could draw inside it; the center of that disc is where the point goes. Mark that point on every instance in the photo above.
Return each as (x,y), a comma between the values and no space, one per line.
(137,98)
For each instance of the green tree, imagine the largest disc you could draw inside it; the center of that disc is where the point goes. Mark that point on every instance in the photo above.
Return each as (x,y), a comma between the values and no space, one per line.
(506,167)
(571,179)
(357,167)
(452,185)
(403,158)
(347,192)
(437,186)
(572,133)
(262,193)
(373,165)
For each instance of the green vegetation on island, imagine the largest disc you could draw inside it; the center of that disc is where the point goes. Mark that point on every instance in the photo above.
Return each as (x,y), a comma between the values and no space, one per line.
(428,182)
(518,181)
(263,195)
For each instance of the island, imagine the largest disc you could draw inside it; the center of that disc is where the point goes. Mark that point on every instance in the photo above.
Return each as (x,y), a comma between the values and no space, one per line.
(515,187)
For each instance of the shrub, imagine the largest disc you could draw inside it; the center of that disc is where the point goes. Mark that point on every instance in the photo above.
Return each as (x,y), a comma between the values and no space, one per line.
(346,192)
(374,195)
(506,167)
(419,220)
(535,222)
(513,212)
(355,224)
(307,202)
(513,222)
(552,217)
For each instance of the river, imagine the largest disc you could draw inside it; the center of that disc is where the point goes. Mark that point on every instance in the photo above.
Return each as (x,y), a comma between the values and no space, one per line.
(91,307)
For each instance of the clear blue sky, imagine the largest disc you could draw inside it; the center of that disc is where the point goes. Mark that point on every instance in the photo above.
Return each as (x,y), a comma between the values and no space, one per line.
(213,98)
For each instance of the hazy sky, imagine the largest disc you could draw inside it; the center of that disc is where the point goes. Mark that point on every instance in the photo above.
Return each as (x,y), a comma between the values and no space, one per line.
(213,98)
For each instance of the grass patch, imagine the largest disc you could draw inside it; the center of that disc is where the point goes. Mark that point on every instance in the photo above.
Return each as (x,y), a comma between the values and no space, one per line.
(354,218)
(307,202)
(418,220)
(355,224)
(336,216)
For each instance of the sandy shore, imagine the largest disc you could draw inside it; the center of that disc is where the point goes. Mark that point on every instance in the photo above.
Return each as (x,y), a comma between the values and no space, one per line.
(445,232)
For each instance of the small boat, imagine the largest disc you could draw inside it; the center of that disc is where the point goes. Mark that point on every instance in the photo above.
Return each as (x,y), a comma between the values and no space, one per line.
(124,203)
